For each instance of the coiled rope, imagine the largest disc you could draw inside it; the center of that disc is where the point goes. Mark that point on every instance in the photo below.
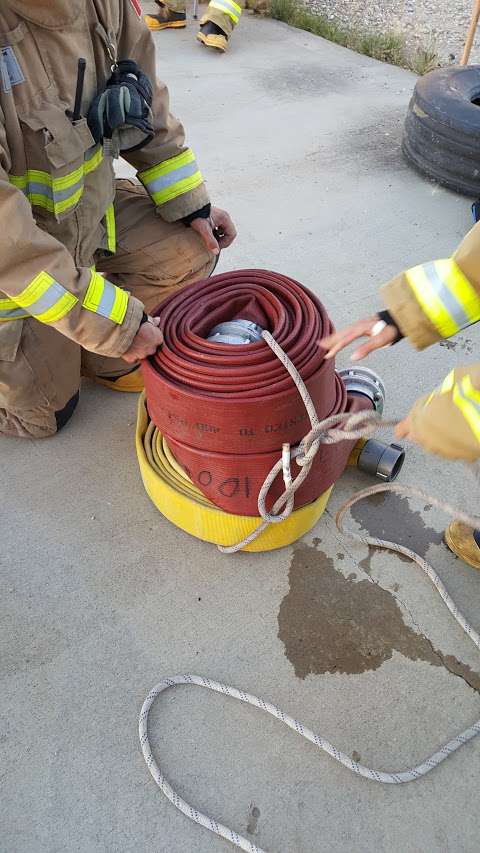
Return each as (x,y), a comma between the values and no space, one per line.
(356,426)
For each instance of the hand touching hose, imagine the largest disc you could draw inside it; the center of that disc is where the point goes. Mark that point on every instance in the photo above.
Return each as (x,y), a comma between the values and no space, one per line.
(146,342)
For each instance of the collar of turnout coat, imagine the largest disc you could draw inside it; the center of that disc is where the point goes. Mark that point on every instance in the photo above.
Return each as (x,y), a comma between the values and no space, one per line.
(51,14)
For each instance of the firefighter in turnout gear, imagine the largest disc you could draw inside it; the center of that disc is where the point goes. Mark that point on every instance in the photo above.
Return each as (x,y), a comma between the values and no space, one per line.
(216,26)
(429,303)
(85,257)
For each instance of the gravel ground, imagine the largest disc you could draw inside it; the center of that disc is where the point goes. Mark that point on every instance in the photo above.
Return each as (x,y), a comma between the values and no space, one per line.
(442,24)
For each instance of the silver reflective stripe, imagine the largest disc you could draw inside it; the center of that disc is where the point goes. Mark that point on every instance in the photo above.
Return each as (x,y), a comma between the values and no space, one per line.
(34,188)
(227,5)
(161,183)
(13,314)
(91,152)
(446,296)
(107,301)
(48,300)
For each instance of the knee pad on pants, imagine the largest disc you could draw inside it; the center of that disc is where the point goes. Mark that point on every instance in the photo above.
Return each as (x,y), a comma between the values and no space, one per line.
(63,416)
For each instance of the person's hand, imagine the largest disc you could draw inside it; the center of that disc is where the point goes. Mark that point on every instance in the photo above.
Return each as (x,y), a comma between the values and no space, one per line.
(362,329)
(146,341)
(225,231)
(405,430)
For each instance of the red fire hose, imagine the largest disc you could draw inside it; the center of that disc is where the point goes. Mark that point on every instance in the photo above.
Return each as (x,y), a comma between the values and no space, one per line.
(226,410)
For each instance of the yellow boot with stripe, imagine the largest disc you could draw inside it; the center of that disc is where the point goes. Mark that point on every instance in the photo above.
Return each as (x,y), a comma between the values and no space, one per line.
(461,541)
(218,24)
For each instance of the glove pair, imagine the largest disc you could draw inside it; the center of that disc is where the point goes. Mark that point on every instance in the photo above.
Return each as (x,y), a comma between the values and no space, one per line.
(121,116)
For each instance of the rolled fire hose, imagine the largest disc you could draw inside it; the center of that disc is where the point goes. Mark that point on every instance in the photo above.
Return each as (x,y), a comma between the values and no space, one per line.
(179,500)
(226,410)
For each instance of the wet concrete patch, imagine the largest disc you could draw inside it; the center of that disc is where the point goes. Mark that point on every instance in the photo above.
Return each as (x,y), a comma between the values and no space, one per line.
(389,516)
(329,623)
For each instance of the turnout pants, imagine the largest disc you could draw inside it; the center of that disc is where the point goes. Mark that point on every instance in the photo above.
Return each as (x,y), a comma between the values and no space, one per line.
(224,13)
(40,369)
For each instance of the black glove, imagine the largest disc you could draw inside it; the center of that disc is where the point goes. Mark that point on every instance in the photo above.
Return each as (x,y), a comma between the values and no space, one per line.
(122,112)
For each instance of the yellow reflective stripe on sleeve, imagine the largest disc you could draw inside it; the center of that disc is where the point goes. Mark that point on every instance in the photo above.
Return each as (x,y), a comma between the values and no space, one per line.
(106,299)
(172,178)
(445,295)
(57,195)
(111,229)
(46,299)
(228,7)
(459,291)
(444,388)
(467,399)
(447,383)
(9,310)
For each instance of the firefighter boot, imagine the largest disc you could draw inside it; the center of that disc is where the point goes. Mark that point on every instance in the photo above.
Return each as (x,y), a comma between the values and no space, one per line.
(460,539)
(166,19)
(131,382)
(212,36)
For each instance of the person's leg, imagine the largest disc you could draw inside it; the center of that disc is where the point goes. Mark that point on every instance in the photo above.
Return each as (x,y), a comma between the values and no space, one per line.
(39,379)
(464,542)
(153,259)
(171,15)
(218,23)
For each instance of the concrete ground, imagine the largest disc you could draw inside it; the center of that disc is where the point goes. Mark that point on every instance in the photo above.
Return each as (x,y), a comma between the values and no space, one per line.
(101,596)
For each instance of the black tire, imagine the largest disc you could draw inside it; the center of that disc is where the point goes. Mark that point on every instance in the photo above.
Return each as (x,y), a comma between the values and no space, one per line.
(442,128)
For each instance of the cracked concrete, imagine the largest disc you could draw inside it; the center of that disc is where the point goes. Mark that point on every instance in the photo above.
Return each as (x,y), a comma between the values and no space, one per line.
(101,596)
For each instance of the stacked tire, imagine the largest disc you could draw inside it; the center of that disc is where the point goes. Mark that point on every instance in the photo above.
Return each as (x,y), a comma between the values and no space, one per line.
(442,128)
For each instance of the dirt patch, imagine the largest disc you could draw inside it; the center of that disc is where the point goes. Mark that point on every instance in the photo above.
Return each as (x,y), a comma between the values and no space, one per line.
(253,816)
(305,80)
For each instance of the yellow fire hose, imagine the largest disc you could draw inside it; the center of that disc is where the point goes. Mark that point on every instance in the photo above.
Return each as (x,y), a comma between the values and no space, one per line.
(184,505)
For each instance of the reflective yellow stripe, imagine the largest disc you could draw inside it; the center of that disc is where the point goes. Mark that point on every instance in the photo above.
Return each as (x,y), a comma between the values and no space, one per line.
(467,399)
(460,288)
(46,299)
(57,195)
(445,387)
(119,309)
(111,229)
(445,295)
(447,383)
(9,310)
(228,7)
(172,178)
(104,298)
(430,303)
(37,200)
(93,160)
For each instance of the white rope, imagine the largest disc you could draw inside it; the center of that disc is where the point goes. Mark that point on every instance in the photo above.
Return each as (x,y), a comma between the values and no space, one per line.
(326,431)
(355,426)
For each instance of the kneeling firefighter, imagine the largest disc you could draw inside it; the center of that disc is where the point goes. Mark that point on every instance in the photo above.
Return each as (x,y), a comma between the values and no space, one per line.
(426,304)
(83,257)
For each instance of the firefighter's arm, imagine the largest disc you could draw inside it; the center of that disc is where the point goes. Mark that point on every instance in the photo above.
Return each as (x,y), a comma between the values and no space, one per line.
(40,279)
(436,300)
(447,421)
(166,166)
(426,303)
